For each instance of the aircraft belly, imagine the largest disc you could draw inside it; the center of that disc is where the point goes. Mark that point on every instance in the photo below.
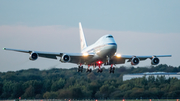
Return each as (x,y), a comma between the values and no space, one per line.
(93,60)
(101,55)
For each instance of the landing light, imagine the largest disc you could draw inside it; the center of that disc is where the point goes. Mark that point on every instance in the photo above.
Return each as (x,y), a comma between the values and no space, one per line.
(118,55)
(85,54)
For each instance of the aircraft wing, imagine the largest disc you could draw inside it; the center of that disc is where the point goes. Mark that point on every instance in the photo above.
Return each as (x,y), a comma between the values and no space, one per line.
(74,57)
(51,55)
(119,59)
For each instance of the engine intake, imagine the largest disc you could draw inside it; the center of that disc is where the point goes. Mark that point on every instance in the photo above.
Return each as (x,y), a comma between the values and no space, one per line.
(65,58)
(155,61)
(33,56)
(135,61)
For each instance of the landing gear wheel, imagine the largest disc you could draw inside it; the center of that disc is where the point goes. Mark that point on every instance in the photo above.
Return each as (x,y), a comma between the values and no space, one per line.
(80,69)
(100,70)
(111,69)
(88,70)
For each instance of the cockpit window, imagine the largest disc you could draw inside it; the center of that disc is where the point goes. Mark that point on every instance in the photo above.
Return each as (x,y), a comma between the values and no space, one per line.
(109,37)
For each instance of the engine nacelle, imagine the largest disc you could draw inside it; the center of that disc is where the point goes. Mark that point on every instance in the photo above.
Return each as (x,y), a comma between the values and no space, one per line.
(33,56)
(65,58)
(135,61)
(155,61)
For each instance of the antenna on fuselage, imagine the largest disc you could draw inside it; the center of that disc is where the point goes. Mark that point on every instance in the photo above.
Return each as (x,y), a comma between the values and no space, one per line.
(82,38)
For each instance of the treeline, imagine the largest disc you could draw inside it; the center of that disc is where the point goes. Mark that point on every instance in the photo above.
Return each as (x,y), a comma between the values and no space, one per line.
(58,83)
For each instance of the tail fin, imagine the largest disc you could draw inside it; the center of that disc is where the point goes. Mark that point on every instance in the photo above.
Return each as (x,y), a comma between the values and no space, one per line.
(82,38)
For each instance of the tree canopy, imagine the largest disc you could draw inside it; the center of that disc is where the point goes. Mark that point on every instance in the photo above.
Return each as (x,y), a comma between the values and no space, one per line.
(60,83)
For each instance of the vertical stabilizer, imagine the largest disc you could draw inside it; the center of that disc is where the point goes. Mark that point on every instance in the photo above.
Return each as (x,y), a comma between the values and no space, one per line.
(82,38)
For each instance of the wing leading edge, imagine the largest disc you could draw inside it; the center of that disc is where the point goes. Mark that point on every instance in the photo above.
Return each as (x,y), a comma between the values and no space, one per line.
(50,55)
(74,57)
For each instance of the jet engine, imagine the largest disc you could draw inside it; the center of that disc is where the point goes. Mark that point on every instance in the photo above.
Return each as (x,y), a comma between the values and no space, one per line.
(135,61)
(65,58)
(155,61)
(33,56)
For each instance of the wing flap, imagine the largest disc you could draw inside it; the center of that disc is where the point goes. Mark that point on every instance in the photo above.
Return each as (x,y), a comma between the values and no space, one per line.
(50,56)
(117,60)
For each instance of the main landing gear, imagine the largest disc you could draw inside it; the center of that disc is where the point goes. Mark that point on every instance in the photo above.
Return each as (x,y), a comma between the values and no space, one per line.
(80,69)
(111,69)
(99,70)
(88,69)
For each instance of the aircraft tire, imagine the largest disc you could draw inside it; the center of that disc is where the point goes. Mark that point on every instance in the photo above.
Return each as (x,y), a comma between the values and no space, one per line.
(110,70)
(101,70)
(90,70)
(81,69)
(78,69)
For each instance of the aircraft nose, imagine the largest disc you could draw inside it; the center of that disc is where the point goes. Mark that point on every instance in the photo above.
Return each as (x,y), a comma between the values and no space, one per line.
(112,46)
(108,50)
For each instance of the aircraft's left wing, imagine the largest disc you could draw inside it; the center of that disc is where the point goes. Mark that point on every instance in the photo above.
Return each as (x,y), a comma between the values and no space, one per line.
(65,57)
(119,59)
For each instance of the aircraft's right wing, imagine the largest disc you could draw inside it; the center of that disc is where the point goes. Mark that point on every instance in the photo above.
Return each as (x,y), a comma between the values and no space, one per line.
(77,58)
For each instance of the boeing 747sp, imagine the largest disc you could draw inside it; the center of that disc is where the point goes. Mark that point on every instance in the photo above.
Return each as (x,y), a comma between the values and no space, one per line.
(103,51)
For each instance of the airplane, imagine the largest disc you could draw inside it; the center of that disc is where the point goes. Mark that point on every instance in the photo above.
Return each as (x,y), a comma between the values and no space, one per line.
(102,52)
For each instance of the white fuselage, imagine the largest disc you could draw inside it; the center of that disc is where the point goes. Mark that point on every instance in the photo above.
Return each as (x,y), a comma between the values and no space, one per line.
(103,48)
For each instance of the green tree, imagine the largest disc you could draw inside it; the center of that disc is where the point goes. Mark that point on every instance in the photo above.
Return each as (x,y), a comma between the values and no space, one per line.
(29,93)
(58,85)
(50,95)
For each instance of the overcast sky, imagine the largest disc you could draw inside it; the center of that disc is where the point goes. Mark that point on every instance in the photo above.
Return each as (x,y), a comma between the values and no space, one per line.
(140,27)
